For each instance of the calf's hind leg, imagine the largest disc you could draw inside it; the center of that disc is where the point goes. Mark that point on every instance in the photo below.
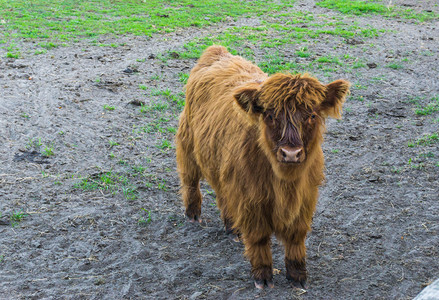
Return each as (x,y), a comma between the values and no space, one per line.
(190,189)
(190,175)
(227,220)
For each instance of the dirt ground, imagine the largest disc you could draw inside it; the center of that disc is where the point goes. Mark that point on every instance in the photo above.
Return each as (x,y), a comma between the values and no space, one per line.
(375,231)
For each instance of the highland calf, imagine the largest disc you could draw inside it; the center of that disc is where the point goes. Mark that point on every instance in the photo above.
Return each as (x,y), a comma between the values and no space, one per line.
(257,141)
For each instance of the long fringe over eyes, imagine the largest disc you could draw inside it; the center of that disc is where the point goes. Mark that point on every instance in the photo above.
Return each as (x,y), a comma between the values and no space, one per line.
(286,92)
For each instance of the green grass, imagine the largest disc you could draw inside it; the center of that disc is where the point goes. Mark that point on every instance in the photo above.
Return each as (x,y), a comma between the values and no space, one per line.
(12,55)
(356,7)
(58,21)
(168,98)
(122,183)
(34,144)
(156,126)
(303,52)
(165,144)
(172,130)
(276,62)
(145,220)
(357,98)
(17,217)
(48,151)
(270,35)
(412,164)
(395,66)
(113,143)
(47,45)
(108,181)
(183,77)
(277,32)
(430,108)
(154,106)
(358,65)
(328,59)
(129,192)
(426,140)
(155,77)
(138,169)
(162,186)
(38,52)
(361,7)
(108,107)
(378,78)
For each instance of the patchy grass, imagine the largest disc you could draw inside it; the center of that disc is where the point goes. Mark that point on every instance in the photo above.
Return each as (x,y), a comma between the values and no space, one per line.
(109,107)
(48,150)
(113,143)
(170,98)
(165,144)
(430,108)
(17,217)
(55,22)
(34,144)
(183,77)
(154,106)
(107,181)
(303,52)
(13,55)
(145,220)
(426,140)
(361,7)
(156,126)
(395,66)
(278,31)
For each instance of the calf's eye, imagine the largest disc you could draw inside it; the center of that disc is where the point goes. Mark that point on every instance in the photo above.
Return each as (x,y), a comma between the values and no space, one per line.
(269,118)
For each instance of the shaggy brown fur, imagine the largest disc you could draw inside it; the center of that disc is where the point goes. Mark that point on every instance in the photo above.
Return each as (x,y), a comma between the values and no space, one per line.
(257,141)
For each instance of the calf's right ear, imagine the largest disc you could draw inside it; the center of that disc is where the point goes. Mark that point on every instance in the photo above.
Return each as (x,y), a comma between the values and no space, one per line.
(247,98)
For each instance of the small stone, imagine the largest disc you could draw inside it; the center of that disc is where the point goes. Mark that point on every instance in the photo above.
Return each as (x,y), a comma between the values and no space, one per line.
(195,295)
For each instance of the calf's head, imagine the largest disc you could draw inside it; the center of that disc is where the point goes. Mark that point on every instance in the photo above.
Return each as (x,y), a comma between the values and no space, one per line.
(290,111)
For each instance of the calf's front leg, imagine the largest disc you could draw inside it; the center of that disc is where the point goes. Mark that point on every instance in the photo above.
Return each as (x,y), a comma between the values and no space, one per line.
(257,249)
(295,254)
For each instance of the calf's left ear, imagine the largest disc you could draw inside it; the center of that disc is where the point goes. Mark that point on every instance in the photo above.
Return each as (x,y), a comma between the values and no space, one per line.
(336,93)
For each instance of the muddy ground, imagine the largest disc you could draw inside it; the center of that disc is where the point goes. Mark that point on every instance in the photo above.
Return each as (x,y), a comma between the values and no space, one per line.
(375,231)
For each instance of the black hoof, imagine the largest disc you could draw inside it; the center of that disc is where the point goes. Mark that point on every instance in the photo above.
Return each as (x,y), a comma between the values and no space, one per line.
(296,272)
(298,284)
(194,218)
(260,284)
(263,276)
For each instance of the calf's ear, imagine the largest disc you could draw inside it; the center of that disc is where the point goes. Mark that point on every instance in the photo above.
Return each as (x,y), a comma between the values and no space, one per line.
(336,93)
(247,98)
